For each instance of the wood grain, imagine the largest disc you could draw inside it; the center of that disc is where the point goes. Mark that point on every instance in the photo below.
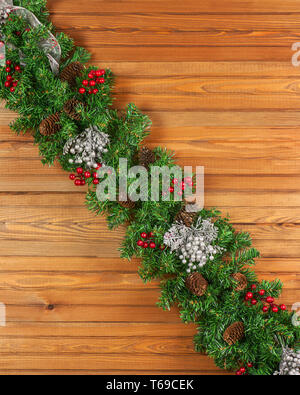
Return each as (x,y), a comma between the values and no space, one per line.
(217,81)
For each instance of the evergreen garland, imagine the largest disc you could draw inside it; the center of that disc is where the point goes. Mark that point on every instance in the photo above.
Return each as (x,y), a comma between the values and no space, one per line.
(38,95)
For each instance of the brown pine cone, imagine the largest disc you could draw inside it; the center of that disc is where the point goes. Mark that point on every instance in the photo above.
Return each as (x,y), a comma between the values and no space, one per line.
(185,217)
(146,157)
(50,125)
(196,284)
(234,333)
(127,204)
(73,70)
(70,109)
(241,279)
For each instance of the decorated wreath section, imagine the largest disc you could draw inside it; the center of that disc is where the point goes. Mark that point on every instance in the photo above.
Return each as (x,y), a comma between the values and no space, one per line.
(205,265)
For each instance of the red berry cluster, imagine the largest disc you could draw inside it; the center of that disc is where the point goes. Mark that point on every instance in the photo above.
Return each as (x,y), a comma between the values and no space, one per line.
(187,181)
(260,295)
(148,241)
(11,82)
(81,176)
(95,77)
(243,371)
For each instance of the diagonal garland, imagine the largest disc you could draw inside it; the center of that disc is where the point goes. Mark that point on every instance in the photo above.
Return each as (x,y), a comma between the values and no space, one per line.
(203,263)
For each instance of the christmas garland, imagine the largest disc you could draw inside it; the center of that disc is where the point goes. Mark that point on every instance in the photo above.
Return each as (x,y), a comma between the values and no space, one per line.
(203,263)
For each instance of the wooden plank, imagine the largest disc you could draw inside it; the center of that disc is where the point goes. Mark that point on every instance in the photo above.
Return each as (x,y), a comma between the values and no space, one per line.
(109,249)
(202,38)
(229,69)
(107,53)
(224,119)
(27,265)
(13,292)
(34,183)
(212,199)
(201,154)
(63,214)
(188,7)
(102,313)
(194,361)
(95,313)
(94,330)
(112,372)
(158,22)
(106,345)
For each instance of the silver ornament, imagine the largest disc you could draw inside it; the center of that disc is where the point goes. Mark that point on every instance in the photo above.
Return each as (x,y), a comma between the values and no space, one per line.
(195,244)
(88,147)
(289,364)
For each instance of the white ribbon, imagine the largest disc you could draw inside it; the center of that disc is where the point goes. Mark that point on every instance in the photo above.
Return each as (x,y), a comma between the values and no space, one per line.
(50,45)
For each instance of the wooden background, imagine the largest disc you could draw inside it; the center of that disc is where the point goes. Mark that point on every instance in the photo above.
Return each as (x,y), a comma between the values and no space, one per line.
(217,80)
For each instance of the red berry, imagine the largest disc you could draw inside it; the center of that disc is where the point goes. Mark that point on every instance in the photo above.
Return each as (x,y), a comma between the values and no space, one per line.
(249,365)
(96,181)
(8,62)
(99,165)
(145,245)
(18,68)
(95,175)
(95,91)
(175,181)
(238,373)
(87,174)
(79,170)
(15,83)
(9,77)
(91,75)
(249,295)
(90,92)
(151,234)
(100,72)
(100,80)
(262,292)
(144,235)
(171,189)
(253,286)
(12,89)
(85,82)
(246,298)
(8,69)
(82,182)
(77,183)
(282,307)
(7,84)
(162,247)
(254,301)
(140,243)
(152,245)
(270,299)
(18,33)
(242,370)
(92,83)
(72,177)
(81,91)
(265,309)
(275,309)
